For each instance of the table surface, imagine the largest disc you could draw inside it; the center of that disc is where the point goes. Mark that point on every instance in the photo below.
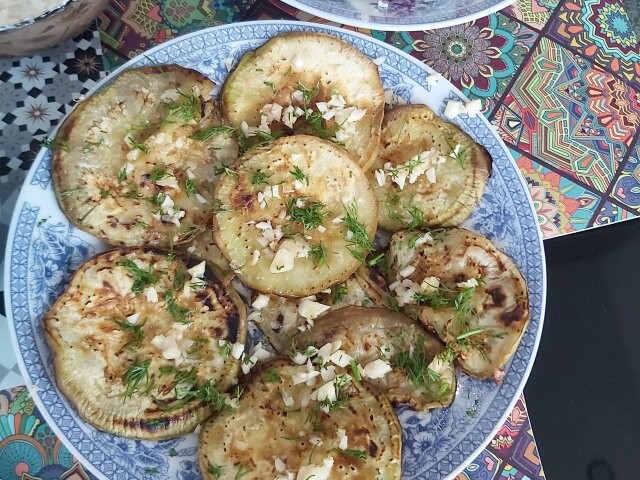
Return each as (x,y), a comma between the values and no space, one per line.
(558,79)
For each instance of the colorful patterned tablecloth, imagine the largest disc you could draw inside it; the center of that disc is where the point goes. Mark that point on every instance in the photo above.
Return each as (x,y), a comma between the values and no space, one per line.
(559,79)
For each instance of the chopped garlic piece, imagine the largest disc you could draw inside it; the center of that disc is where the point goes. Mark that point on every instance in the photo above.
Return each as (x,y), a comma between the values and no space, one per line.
(471,283)
(341,358)
(407,271)
(197,271)
(282,262)
(237,350)
(376,369)
(288,401)
(151,294)
(133,319)
(255,256)
(310,310)
(430,284)
(473,107)
(453,109)
(380,177)
(343,440)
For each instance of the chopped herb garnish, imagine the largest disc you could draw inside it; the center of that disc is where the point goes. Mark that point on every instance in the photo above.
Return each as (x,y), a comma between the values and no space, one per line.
(360,454)
(318,254)
(270,85)
(417,217)
(157,174)
(55,145)
(242,471)
(264,138)
(142,277)
(190,186)
(458,155)
(180,313)
(156,422)
(359,245)
(415,363)
(140,146)
(271,376)
(338,293)
(188,110)
(258,178)
(188,232)
(151,471)
(225,349)
(136,333)
(122,175)
(376,260)
(135,375)
(220,169)
(209,132)
(355,371)
(299,175)
(310,215)
(215,470)
(470,333)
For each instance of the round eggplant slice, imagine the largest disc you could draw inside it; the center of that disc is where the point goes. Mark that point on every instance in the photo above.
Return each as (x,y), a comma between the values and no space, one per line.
(296,217)
(136,160)
(428,172)
(308,83)
(281,318)
(423,374)
(463,288)
(271,433)
(137,342)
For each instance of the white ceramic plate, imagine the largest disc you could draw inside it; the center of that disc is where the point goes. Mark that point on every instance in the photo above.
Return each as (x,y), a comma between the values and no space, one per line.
(400,15)
(44,249)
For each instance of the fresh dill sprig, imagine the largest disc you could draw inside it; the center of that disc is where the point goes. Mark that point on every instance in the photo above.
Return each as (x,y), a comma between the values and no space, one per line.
(142,277)
(338,293)
(207,133)
(310,215)
(190,186)
(458,154)
(138,145)
(415,363)
(359,454)
(359,245)
(136,333)
(417,217)
(180,313)
(376,260)
(188,110)
(54,144)
(258,178)
(134,377)
(223,169)
(271,376)
(299,175)
(318,254)
(215,470)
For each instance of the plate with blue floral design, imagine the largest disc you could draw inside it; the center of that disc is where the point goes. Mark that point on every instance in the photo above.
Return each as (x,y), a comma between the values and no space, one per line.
(400,15)
(44,250)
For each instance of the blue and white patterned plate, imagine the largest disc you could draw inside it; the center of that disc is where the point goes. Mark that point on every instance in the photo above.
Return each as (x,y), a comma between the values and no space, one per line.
(400,15)
(44,250)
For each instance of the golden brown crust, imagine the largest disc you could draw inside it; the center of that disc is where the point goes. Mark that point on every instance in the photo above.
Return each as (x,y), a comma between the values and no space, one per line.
(131,142)
(499,303)
(407,131)
(92,351)
(272,72)
(263,427)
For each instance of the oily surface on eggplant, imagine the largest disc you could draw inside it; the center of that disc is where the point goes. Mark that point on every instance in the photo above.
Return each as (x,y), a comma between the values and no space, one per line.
(262,428)
(423,374)
(103,331)
(135,163)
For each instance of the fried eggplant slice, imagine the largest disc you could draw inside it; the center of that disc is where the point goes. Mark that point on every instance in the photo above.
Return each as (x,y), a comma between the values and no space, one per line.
(204,247)
(311,83)
(464,289)
(281,318)
(277,428)
(423,374)
(137,341)
(295,217)
(428,172)
(137,160)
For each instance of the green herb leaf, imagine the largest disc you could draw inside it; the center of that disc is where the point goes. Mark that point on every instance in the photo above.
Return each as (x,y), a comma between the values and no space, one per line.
(359,245)
(134,377)
(190,186)
(359,454)
(207,133)
(299,175)
(140,146)
(310,215)
(215,470)
(54,144)
(318,254)
(142,277)
(135,331)
(338,293)
(220,169)
(271,376)
(179,312)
